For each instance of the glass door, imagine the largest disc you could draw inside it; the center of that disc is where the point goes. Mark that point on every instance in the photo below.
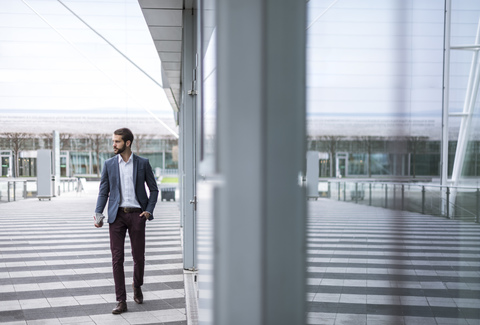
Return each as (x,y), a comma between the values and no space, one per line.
(342,165)
(5,166)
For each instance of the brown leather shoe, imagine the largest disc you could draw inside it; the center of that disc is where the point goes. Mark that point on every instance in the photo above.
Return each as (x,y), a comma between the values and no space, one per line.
(137,294)
(121,308)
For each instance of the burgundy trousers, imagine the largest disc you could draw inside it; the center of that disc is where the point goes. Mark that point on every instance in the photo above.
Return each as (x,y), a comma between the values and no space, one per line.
(136,231)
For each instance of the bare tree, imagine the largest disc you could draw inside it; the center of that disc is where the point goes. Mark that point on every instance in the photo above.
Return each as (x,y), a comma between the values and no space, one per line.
(17,141)
(331,143)
(47,139)
(140,142)
(368,142)
(66,141)
(98,145)
(414,144)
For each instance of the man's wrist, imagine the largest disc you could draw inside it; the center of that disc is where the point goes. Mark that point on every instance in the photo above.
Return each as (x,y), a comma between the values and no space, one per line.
(99,218)
(149,214)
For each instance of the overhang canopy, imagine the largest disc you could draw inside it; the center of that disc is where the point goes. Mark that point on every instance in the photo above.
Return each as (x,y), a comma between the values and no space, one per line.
(165,21)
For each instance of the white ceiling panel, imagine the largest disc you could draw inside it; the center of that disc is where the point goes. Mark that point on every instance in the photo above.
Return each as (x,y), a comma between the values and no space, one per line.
(165,22)
(161,4)
(163,17)
(169,46)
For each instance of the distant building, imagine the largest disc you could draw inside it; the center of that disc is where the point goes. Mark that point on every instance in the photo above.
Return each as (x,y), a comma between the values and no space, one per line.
(85,143)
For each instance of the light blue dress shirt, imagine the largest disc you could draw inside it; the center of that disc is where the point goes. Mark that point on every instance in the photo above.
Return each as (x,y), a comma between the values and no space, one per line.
(127,188)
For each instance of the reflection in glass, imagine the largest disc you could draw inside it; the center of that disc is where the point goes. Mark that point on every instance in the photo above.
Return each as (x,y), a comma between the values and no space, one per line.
(383,245)
(209,86)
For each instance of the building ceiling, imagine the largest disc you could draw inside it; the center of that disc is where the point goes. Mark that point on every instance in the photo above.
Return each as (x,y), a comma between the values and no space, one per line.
(165,21)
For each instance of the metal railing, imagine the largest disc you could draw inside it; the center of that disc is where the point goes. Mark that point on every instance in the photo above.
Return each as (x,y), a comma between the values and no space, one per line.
(164,172)
(459,202)
(18,189)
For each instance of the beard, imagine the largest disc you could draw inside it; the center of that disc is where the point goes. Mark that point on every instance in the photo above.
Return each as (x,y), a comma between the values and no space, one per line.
(120,150)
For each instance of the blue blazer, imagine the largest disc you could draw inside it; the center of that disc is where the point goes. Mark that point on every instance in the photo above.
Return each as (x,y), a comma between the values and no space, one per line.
(110,186)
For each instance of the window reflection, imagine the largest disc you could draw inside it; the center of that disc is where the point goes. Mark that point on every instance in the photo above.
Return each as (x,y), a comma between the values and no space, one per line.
(375,98)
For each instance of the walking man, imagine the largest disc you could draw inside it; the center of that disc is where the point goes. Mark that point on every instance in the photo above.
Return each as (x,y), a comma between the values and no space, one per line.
(123,185)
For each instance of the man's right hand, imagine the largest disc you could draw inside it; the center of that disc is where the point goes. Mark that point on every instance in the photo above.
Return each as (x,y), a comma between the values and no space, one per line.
(98,220)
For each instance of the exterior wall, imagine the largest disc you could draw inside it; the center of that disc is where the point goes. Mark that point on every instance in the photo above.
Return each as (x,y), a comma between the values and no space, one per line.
(387,159)
(79,155)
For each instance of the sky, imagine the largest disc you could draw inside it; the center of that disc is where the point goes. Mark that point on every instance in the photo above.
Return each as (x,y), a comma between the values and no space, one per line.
(365,59)
(52,63)
(373,62)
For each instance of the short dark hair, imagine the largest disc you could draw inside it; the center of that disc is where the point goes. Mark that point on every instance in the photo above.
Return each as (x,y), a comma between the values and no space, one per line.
(125,133)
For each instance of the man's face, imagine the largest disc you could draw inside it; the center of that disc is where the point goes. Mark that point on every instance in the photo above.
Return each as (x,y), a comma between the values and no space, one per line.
(119,145)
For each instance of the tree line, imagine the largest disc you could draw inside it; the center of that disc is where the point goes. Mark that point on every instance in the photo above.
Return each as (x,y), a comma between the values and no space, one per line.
(95,142)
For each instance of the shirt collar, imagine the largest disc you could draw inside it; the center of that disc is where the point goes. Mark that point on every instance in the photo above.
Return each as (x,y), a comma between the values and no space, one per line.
(120,159)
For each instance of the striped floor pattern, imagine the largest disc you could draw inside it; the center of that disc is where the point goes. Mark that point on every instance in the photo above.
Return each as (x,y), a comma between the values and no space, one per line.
(369,265)
(55,267)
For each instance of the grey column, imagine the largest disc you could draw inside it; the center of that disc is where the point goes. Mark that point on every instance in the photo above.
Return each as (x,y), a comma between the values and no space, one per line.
(259,274)
(56,161)
(189,137)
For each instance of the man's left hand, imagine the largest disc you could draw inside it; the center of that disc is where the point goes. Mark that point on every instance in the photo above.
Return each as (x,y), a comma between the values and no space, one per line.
(145,214)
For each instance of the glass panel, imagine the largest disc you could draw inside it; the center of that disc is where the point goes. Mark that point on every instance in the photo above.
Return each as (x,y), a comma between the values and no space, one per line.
(206,167)
(63,166)
(342,167)
(209,86)
(357,164)
(383,246)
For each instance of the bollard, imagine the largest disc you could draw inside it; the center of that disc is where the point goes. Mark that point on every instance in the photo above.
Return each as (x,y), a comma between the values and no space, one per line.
(423,199)
(448,202)
(478,206)
(25,189)
(14,191)
(370,194)
(386,196)
(329,193)
(356,192)
(338,190)
(8,191)
(344,191)
(403,197)
(394,196)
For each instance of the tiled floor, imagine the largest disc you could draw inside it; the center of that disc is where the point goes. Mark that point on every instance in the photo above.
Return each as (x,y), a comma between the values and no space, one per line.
(55,266)
(365,266)
(374,266)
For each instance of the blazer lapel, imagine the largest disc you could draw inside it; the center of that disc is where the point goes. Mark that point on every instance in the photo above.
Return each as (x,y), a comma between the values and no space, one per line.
(116,169)
(135,167)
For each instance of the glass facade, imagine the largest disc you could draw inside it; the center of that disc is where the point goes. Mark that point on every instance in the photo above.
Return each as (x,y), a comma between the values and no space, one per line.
(375,87)
(84,155)
(415,157)
(383,78)
(379,81)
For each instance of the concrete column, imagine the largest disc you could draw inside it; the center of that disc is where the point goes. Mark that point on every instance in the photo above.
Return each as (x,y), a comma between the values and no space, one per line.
(259,273)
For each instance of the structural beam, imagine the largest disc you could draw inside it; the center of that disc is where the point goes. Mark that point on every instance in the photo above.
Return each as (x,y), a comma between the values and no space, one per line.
(188,130)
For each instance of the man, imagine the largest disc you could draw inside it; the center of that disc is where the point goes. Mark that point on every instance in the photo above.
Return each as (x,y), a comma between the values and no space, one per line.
(123,185)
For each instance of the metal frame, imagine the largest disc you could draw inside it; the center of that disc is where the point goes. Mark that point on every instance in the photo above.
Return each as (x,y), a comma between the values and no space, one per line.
(445,99)
(389,187)
(467,113)
(188,122)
